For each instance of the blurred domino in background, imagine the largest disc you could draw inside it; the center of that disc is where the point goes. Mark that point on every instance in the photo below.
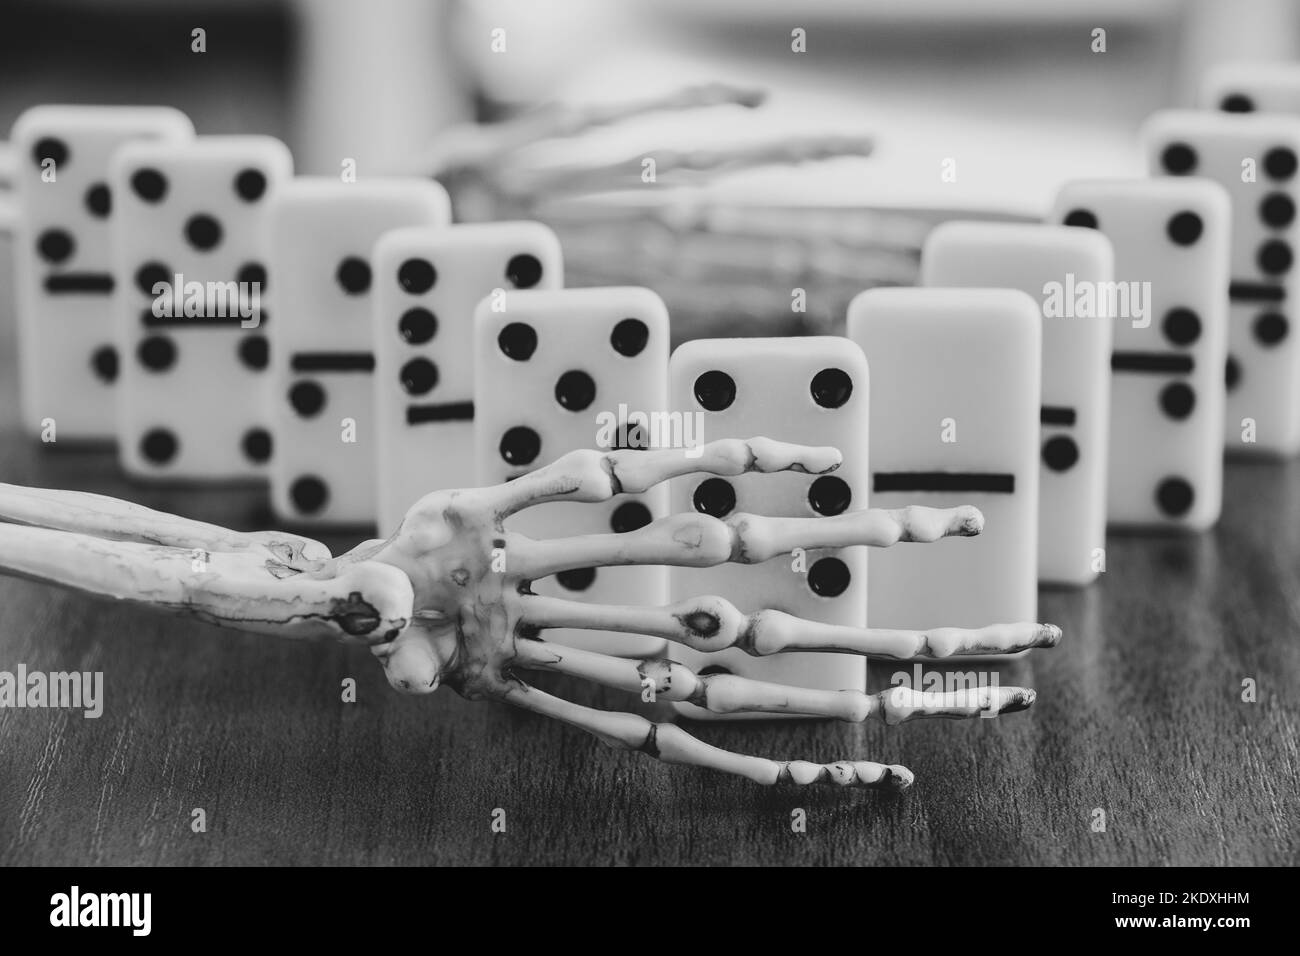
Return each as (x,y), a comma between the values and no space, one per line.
(320,388)
(1254,158)
(191,221)
(63,259)
(1057,267)
(430,282)
(1170,239)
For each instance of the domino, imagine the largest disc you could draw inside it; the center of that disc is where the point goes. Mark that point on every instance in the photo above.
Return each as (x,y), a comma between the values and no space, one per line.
(957,377)
(559,370)
(811,390)
(1170,238)
(1068,272)
(1249,87)
(320,388)
(1263,368)
(430,282)
(62,267)
(189,252)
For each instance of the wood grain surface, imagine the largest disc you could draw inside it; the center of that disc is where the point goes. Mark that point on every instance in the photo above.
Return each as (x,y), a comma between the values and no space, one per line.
(1139,714)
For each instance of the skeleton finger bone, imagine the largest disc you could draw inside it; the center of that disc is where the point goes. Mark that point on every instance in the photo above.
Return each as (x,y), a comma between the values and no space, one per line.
(589,476)
(483,147)
(730,694)
(625,173)
(672,744)
(699,541)
(708,623)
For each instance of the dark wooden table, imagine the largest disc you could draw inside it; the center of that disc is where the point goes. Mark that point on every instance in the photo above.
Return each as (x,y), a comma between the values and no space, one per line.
(1139,715)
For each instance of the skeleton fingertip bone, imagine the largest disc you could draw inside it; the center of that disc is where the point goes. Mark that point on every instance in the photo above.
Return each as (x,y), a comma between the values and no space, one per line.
(902,704)
(847,773)
(1049,635)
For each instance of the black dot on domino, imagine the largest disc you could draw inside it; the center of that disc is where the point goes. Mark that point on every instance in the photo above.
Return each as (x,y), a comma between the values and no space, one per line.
(49,147)
(250,184)
(1270,328)
(1185,228)
(1178,400)
(575,391)
(104,362)
(416,276)
(715,391)
(149,184)
(307,398)
(1231,373)
(714,496)
(520,446)
(830,495)
(417,326)
(629,516)
(1280,163)
(1237,103)
(831,387)
(1060,453)
(1082,218)
(55,245)
(252,273)
(419,376)
(1174,497)
(1277,209)
(157,353)
(1178,159)
(99,201)
(159,446)
(309,494)
(1181,326)
(254,352)
(829,577)
(203,232)
(256,445)
(577,579)
(629,337)
(353,275)
(1274,257)
(524,271)
(150,274)
(518,341)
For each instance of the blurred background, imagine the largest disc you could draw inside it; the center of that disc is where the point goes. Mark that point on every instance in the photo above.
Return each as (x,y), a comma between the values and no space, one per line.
(1003,85)
(1009,95)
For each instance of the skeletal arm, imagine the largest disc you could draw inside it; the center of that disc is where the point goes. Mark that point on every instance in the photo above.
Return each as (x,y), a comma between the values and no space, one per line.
(254,582)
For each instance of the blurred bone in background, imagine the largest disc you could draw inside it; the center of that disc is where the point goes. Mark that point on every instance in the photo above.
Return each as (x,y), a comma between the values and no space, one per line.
(1008,97)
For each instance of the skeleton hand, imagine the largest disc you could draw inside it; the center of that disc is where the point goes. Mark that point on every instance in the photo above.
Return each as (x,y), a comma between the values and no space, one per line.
(708,256)
(446,599)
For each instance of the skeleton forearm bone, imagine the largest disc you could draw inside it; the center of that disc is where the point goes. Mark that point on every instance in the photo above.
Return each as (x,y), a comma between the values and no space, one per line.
(250,582)
(118,520)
